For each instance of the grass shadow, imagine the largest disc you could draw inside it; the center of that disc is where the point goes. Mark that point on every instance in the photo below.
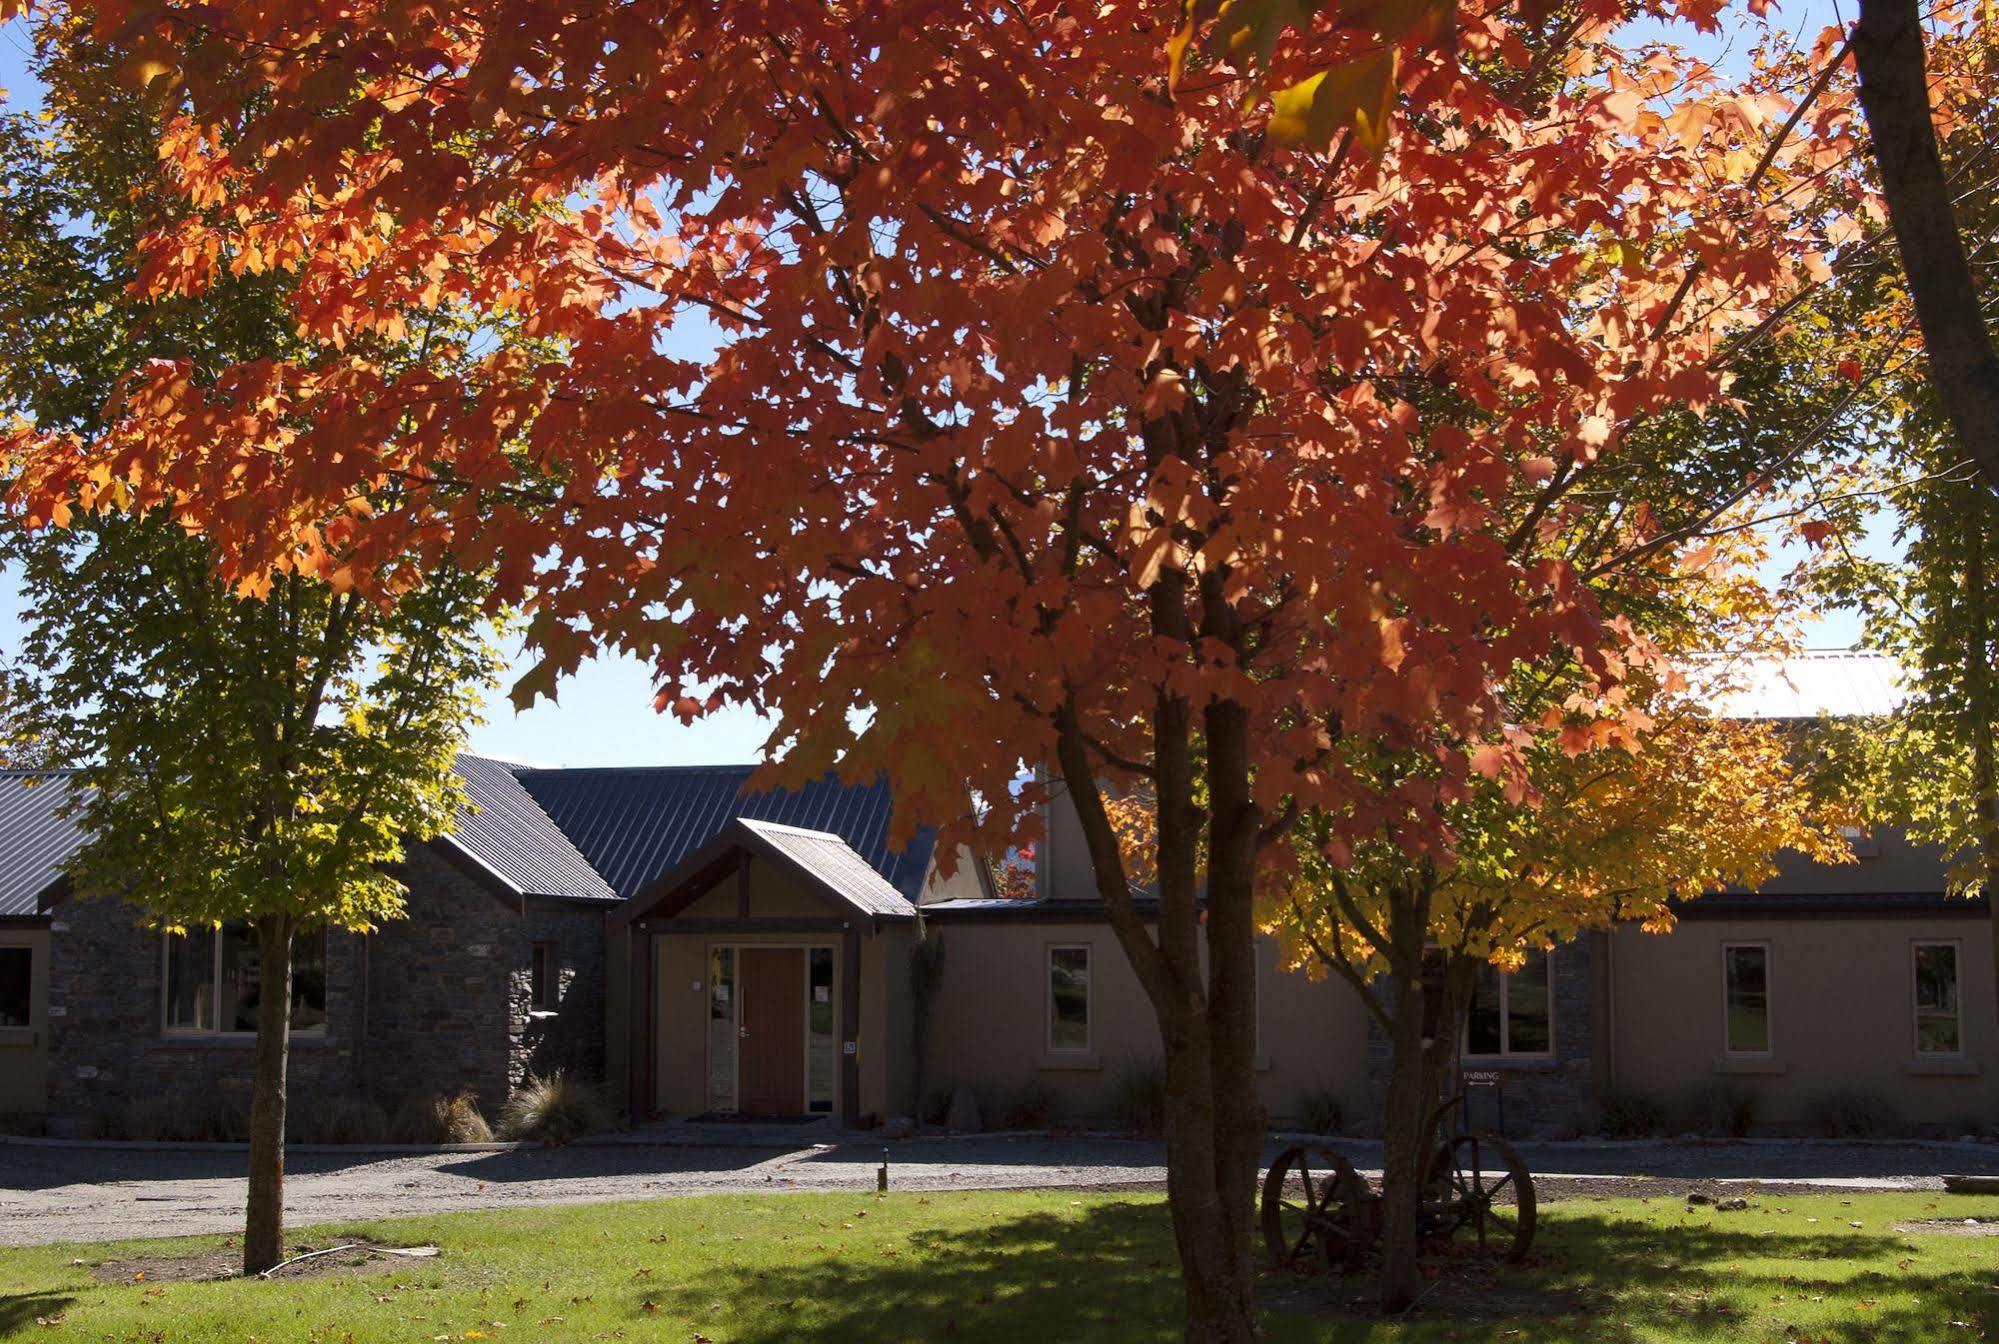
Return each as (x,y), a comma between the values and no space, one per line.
(20,1312)
(1108,1272)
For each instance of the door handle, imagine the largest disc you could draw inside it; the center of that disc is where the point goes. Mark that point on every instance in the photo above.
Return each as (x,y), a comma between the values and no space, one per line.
(743,1033)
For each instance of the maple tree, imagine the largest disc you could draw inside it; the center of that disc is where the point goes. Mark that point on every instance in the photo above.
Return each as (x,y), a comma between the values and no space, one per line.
(940,382)
(240,761)
(1685,806)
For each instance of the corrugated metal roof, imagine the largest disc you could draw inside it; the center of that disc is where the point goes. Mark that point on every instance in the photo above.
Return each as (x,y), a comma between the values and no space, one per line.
(1843,683)
(637,823)
(835,865)
(34,841)
(507,832)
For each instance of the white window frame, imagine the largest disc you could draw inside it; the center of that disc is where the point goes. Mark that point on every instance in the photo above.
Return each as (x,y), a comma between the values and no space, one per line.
(1506,1050)
(215,978)
(1089,997)
(1769,1049)
(1916,1012)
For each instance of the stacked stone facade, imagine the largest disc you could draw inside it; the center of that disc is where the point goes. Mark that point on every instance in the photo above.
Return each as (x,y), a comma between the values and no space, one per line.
(1552,1097)
(433,1002)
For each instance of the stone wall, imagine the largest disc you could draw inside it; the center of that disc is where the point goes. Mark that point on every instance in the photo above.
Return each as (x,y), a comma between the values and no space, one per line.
(1533,1098)
(105,1040)
(570,1038)
(434,1002)
(438,988)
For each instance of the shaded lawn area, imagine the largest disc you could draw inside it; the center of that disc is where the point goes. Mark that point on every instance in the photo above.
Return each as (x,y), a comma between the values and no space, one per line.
(1031,1267)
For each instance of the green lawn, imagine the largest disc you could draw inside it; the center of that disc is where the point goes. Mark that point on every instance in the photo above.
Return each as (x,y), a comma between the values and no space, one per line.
(1035,1268)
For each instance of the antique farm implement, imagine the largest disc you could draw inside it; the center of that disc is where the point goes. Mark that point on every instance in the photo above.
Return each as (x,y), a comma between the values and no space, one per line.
(1319,1213)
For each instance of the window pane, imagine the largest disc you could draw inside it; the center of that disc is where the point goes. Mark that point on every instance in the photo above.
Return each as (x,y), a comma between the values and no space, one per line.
(191,980)
(1528,1016)
(722,1029)
(1482,1019)
(1747,970)
(1936,977)
(1936,1035)
(309,981)
(17,966)
(822,1055)
(242,978)
(541,976)
(1069,984)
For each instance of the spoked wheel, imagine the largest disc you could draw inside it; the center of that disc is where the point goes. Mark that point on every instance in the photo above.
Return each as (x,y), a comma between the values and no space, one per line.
(1312,1204)
(1481,1184)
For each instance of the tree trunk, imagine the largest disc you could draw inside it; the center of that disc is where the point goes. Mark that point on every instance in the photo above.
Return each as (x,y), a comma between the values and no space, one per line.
(1894,91)
(1979,708)
(1406,1147)
(264,1218)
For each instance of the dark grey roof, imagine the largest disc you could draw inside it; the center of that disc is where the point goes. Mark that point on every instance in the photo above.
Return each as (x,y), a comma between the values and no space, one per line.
(636,824)
(507,833)
(34,841)
(833,863)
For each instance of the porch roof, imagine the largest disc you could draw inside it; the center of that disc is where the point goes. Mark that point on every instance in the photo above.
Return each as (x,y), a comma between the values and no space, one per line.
(820,861)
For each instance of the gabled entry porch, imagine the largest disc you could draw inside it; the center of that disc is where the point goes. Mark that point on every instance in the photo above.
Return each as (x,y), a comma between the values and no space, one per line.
(765,976)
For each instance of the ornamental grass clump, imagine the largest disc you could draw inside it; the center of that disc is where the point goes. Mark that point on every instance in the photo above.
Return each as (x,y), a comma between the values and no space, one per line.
(555,1109)
(432,1117)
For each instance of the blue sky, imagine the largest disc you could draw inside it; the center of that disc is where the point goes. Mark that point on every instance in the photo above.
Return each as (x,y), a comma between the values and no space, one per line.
(604,714)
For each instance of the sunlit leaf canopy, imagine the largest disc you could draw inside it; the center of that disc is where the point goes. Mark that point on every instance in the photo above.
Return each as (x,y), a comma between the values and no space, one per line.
(1006,334)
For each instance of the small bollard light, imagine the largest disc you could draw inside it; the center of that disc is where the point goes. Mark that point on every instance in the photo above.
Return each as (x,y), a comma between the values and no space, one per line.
(881,1175)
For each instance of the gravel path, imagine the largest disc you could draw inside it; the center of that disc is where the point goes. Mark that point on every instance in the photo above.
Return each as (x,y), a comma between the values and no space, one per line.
(50,1194)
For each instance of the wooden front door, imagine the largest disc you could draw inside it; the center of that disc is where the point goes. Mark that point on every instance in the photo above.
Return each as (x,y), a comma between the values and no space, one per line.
(770,1047)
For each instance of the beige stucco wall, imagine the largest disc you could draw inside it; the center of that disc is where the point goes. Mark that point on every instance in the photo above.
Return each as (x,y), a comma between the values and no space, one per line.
(24,1051)
(991,1024)
(1841,1017)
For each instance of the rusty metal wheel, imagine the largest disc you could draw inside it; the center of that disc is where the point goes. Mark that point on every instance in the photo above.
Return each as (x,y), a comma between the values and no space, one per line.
(1312,1207)
(1481,1183)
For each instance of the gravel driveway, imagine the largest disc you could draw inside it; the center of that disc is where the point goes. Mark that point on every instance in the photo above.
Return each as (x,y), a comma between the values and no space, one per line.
(50,1194)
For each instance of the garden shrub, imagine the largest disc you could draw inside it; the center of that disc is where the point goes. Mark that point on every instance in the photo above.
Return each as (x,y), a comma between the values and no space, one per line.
(1031,1108)
(349,1120)
(554,1109)
(1723,1112)
(432,1117)
(1321,1111)
(183,1117)
(1855,1113)
(1628,1113)
(1138,1097)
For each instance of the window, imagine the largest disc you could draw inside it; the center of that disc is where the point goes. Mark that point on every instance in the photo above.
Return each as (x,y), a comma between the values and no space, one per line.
(1938,1024)
(544,978)
(1513,1013)
(213,981)
(17,965)
(822,1059)
(1068,998)
(1745,969)
(722,1030)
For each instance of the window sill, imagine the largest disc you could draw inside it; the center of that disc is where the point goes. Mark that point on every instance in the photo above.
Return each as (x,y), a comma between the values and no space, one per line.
(1764,1065)
(543,1014)
(1945,1066)
(19,1036)
(242,1040)
(1511,1063)
(1073,1061)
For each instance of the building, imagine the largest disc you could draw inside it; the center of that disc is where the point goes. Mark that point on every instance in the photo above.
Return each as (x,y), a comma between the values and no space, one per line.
(710,952)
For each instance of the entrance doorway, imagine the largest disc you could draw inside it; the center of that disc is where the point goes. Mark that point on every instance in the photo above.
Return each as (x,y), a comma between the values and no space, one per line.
(771,1048)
